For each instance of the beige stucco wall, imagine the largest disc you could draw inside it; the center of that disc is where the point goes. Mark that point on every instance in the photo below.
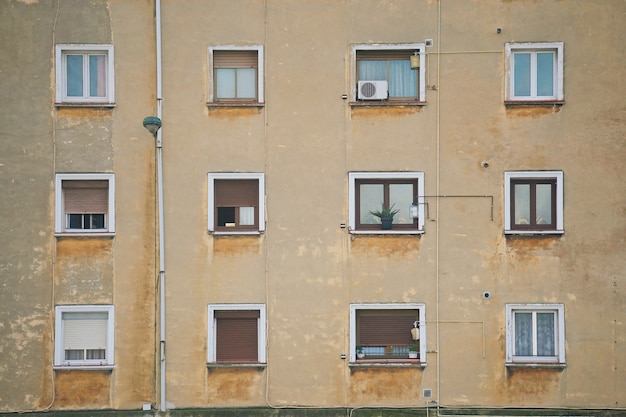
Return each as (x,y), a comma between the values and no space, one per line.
(306,268)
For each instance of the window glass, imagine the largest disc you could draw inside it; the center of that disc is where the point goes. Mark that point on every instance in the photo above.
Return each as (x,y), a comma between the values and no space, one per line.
(401,197)
(372,197)
(522,74)
(522,203)
(97,75)
(373,70)
(246,216)
(545,334)
(544,203)
(545,74)
(225,83)
(246,83)
(74,65)
(402,79)
(523,334)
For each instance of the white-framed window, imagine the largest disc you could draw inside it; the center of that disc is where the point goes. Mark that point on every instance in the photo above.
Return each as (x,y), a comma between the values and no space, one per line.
(369,192)
(236,333)
(85,74)
(384,332)
(85,204)
(535,333)
(401,67)
(236,74)
(533,202)
(84,336)
(236,202)
(534,71)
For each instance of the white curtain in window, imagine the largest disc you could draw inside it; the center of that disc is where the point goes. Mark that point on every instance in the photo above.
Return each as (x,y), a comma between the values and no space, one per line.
(545,334)
(523,334)
(402,79)
(246,216)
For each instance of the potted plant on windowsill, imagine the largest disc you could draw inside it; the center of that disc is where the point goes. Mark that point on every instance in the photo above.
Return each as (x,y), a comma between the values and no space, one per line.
(413,349)
(360,354)
(385,214)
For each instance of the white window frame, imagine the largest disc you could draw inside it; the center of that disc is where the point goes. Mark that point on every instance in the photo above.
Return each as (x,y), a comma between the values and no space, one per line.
(212,333)
(388,46)
(512,48)
(235,176)
(61,51)
(559,358)
(59,357)
(260,69)
(389,306)
(421,201)
(553,175)
(60,220)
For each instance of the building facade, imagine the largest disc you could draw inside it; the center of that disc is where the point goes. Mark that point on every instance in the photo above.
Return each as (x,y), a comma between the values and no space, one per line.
(237,263)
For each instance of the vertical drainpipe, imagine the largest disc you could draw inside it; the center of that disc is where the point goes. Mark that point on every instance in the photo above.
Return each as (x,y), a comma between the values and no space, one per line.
(159,149)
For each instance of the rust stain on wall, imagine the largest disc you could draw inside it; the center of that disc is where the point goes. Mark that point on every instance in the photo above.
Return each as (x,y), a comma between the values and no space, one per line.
(533,385)
(233,384)
(84,112)
(385,111)
(531,111)
(79,247)
(233,112)
(82,389)
(531,246)
(236,245)
(386,246)
(388,384)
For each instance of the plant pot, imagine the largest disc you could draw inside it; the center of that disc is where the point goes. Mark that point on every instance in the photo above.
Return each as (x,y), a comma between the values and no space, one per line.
(412,355)
(360,355)
(385,223)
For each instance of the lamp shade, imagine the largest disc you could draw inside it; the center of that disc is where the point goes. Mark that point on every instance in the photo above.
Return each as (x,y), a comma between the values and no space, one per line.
(152,123)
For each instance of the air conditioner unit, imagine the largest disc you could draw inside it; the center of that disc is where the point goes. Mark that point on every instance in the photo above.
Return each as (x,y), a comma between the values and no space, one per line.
(373,90)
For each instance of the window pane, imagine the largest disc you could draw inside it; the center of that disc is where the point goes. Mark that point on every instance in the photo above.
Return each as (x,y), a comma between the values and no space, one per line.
(246,83)
(74,68)
(522,203)
(225,83)
(545,73)
(246,216)
(402,196)
(96,354)
(545,334)
(74,354)
(372,70)
(97,75)
(402,79)
(521,70)
(75,221)
(544,203)
(372,197)
(226,216)
(523,334)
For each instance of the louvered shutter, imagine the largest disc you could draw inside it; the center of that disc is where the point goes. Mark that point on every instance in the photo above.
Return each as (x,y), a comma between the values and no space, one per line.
(384,55)
(85,330)
(385,327)
(237,336)
(86,197)
(235,59)
(236,193)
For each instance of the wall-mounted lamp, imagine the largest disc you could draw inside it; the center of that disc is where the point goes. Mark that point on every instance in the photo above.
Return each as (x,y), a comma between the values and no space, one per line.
(153,124)
(414,211)
(415,60)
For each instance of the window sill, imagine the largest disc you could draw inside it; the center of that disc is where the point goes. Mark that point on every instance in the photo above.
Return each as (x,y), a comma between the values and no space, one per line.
(534,103)
(387,232)
(85,234)
(535,365)
(388,103)
(87,105)
(222,104)
(234,233)
(390,363)
(108,368)
(534,232)
(254,365)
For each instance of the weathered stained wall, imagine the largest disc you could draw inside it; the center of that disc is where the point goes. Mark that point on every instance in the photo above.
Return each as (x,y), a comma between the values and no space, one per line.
(40,271)
(305,267)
